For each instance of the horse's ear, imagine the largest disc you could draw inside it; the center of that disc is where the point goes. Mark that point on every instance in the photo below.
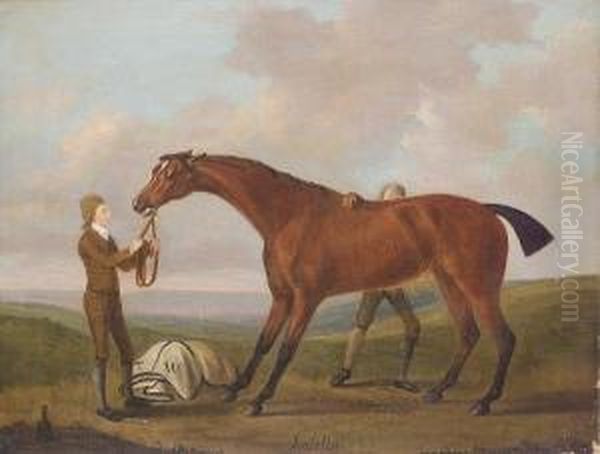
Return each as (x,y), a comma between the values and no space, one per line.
(177,155)
(188,161)
(199,156)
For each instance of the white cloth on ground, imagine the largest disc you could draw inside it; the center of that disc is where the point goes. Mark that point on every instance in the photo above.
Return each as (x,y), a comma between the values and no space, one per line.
(177,370)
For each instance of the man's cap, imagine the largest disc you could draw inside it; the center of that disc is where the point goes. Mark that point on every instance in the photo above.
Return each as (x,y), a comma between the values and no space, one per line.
(89,203)
(392,191)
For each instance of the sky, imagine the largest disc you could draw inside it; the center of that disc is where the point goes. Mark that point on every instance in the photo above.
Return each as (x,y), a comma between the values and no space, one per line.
(452,96)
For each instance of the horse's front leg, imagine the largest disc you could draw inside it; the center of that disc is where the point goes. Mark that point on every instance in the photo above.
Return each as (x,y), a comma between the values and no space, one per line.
(280,309)
(302,312)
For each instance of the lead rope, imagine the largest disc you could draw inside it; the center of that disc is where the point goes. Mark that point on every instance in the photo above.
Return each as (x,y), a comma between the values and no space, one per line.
(147,255)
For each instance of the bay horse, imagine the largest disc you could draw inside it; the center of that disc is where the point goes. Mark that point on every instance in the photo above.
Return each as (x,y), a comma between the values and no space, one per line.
(315,246)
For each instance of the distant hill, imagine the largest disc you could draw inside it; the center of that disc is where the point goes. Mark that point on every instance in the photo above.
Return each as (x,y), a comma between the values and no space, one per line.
(39,351)
(549,397)
(66,317)
(217,306)
(205,314)
(194,314)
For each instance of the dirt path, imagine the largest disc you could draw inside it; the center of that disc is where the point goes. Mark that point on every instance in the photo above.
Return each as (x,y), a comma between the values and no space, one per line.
(548,404)
(369,417)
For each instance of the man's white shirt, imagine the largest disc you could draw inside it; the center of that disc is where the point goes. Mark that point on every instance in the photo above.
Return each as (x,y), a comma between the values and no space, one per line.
(101,230)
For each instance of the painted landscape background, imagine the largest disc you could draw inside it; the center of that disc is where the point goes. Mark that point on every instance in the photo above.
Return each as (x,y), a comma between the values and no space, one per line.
(480,99)
(549,403)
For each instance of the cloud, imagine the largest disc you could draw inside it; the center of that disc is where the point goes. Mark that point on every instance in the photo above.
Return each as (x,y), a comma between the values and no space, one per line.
(358,81)
(382,90)
(112,153)
(31,103)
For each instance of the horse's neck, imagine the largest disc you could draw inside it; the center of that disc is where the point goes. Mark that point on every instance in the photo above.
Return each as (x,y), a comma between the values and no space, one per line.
(257,196)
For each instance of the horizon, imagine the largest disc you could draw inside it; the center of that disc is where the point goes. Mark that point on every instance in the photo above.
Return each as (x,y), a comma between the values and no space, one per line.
(131,290)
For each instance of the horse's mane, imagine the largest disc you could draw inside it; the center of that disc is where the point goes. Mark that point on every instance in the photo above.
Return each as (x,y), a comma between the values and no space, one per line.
(253,164)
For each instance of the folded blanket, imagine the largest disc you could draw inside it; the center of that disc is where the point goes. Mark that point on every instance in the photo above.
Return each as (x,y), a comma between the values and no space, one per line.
(177,370)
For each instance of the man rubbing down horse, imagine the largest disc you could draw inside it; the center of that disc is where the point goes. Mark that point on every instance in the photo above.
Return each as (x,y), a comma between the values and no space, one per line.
(370,302)
(101,257)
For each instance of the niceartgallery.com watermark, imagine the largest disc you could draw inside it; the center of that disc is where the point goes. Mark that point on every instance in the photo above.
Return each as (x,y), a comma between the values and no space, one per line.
(571,230)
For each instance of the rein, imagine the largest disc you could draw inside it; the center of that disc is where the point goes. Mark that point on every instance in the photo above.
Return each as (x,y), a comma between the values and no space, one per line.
(148,256)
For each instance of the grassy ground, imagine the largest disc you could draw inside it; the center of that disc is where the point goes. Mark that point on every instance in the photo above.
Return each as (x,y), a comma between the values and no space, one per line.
(549,396)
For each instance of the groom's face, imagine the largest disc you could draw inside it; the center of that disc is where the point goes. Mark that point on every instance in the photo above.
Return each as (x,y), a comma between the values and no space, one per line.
(102,215)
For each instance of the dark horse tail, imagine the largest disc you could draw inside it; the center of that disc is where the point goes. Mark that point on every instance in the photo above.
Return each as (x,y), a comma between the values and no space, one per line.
(532,235)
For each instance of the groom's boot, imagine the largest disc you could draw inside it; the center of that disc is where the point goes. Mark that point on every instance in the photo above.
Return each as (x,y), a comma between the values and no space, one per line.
(355,343)
(402,381)
(99,378)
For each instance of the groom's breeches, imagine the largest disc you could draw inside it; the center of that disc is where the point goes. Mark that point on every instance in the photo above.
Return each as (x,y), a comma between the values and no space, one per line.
(105,316)
(367,308)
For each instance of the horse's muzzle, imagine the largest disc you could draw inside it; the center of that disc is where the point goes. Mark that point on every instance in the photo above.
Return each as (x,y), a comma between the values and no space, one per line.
(135,204)
(138,205)
(142,208)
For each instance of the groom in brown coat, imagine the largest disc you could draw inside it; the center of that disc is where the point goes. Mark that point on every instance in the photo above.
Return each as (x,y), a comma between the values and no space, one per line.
(101,257)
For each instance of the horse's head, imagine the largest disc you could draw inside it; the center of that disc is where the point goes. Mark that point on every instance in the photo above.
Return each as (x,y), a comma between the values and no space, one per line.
(172,178)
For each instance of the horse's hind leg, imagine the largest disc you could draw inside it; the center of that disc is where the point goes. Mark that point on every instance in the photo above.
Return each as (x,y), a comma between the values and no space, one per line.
(461,312)
(492,320)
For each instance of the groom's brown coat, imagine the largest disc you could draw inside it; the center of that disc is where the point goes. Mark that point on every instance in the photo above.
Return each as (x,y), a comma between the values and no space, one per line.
(102,301)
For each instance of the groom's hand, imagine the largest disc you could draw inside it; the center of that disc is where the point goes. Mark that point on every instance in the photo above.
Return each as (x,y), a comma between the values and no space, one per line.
(135,245)
(154,246)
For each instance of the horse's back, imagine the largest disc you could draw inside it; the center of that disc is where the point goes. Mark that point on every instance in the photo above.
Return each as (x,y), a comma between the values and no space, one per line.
(362,247)
(469,239)
(443,230)
(377,244)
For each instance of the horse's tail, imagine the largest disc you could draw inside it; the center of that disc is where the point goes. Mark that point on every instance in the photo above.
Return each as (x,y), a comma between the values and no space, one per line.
(532,235)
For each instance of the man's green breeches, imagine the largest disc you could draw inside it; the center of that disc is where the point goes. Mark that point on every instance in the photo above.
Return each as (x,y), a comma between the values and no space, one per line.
(365,315)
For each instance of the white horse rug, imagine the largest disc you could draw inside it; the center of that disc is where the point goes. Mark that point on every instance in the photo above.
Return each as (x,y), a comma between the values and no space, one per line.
(177,370)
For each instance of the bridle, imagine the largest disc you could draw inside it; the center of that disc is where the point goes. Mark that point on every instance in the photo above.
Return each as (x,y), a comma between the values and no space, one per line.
(148,257)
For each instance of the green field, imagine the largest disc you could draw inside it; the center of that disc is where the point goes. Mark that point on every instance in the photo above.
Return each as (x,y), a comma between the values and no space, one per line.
(548,403)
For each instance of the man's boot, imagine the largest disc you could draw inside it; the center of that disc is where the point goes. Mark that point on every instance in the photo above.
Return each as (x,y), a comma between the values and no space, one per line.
(402,382)
(355,342)
(99,378)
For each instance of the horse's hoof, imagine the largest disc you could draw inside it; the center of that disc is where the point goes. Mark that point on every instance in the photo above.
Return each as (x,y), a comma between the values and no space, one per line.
(406,385)
(432,397)
(480,408)
(230,395)
(255,409)
(340,377)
